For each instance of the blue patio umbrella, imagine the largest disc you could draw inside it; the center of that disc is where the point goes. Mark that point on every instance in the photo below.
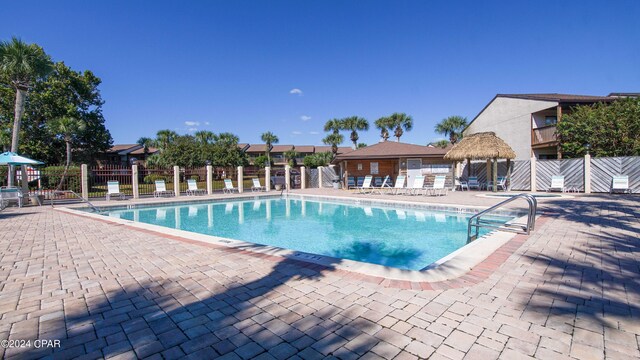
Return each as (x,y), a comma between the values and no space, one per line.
(11,158)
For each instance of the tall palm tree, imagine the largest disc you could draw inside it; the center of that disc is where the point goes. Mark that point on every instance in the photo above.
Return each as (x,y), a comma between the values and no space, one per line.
(383,125)
(67,128)
(334,140)
(398,121)
(333,125)
(452,127)
(269,138)
(20,65)
(355,123)
(164,138)
(290,156)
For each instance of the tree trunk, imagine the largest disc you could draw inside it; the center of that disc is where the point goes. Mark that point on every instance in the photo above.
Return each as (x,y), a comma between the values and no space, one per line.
(66,167)
(21,95)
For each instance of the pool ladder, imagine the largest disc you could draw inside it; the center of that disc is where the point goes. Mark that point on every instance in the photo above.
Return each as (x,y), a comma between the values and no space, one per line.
(82,199)
(476,221)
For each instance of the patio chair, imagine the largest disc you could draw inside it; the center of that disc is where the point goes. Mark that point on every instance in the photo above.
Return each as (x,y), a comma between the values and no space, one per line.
(256,185)
(113,189)
(398,186)
(228,187)
(193,188)
(620,183)
(500,183)
(161,189)
(417,186)
(460,184)
(366,187)
(351,183)
(8,194)
(384,185)
(557,183)
(438,186)
(473,183)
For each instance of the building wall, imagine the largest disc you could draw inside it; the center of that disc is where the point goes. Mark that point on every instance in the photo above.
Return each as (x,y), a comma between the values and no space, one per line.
(385,167)
(510,119)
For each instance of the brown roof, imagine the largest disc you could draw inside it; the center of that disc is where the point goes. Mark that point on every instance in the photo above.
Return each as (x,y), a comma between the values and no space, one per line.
(393,149)
(122,147)
(140,151)
(281,148)
(256,148)
(305,148)
(341,149)
(562,98)
(243,146)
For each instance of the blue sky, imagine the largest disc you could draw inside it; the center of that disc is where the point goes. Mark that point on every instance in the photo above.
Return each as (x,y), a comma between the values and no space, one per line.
(232,65)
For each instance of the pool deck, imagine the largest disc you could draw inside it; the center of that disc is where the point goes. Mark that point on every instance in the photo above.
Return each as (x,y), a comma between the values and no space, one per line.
(569,290)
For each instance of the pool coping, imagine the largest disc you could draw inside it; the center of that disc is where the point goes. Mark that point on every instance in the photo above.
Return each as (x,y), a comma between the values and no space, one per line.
(556,195)
(465,263)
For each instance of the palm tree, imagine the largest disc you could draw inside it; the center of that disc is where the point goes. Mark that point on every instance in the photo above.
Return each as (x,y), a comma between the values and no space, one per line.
(164,138)
(354,123)
(333,125)
(452,127)
(269,138)
(290,156)
(20,65)
(400,121)
(68,128)
(334,140)
(146,143)
(204,136)
(383,125)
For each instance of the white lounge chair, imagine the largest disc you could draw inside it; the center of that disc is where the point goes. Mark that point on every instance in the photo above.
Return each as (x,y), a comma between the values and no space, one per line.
(418,185)
(161,189)
(620,183)
(500,184)
(384,186)
(8,194)
(399,185)
(473,183)
(438,186)
(256,185)
(459,184)
(228,187)
(113,189)
(366,187)
(557,183)
(193,188)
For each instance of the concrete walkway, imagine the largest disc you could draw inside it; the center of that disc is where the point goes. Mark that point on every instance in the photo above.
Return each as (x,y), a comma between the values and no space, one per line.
(571,290)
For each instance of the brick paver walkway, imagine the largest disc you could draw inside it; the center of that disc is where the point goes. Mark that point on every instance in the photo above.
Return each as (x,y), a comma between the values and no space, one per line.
(572,290)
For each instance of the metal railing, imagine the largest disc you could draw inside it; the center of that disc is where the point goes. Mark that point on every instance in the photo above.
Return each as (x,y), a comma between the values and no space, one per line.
(63,194)
(476,221)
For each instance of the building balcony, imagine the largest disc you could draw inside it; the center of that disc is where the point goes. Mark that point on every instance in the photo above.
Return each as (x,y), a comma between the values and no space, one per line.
(545,135)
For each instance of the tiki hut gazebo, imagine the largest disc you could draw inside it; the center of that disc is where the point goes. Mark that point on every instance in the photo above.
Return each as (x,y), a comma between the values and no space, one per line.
(482,146)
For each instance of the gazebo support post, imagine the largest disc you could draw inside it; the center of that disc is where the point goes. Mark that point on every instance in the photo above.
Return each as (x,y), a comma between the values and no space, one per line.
(468,168)
(495,175)
(489,172)
(508,180)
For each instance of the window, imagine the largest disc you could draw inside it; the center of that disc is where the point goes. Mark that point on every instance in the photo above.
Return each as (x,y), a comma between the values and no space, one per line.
(374,168)
(550,120)
(359,167)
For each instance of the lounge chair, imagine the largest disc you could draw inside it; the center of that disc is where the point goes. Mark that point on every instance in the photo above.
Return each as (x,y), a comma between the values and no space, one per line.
(620,183)
(399,185)
(418,185)
(438,186)
(501,183)
(228,187)
(557,183)
(366,187)
(384,185)
(351,183)
(459,184)
(473,183)
(8,194)
(193,188)
(161,189)
(113,189)
(256,185)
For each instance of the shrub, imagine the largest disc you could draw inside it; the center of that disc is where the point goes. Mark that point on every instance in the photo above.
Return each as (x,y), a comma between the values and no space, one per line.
(51,175)
(151,178)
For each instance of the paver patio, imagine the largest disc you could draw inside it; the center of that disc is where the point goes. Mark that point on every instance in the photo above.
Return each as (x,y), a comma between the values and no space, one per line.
(571,290)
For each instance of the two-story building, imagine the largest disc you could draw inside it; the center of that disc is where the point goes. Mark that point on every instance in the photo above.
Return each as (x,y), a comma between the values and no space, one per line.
(527,122)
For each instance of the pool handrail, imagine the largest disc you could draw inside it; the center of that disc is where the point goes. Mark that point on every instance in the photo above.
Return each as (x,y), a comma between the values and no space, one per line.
(509,226)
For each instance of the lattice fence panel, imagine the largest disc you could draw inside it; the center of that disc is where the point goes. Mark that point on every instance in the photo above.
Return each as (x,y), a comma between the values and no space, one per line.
(520,175)
(603,169)
(328,175)
(312,178)
(572,169)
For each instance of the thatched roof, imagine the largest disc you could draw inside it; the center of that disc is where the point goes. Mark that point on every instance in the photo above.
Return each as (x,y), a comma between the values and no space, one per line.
(480,146)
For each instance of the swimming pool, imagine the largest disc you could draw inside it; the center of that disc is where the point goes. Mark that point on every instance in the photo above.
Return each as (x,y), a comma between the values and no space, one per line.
(404,237)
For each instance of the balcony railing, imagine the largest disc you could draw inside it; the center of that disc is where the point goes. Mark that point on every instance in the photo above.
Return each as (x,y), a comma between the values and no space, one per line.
(544,135)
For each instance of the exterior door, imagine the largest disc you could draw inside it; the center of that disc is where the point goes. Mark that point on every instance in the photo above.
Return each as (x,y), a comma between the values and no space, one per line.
(414,168)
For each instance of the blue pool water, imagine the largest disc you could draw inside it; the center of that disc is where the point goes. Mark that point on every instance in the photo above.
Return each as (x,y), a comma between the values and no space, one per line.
(406,238)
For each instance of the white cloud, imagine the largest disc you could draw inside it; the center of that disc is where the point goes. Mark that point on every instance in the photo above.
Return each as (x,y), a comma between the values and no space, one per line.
(296,132)
(206,123)
(295,91)
(192,129)
(314,132)
(192,123)
(305,118)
